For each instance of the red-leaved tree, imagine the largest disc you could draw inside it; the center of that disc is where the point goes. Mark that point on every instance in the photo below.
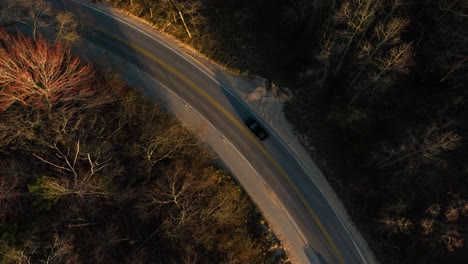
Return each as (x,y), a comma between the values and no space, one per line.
(40,74)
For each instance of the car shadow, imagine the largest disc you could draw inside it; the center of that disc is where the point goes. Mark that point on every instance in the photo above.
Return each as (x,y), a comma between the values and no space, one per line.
(111,45)
(236,89)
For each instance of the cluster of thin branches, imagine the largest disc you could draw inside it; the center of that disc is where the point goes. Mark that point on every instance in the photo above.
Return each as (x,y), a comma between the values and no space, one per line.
(40,74)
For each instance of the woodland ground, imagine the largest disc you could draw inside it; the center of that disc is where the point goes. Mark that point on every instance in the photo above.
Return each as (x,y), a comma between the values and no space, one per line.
(379,100)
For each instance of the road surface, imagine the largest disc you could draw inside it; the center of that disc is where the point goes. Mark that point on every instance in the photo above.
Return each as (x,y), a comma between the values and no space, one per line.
(326,235)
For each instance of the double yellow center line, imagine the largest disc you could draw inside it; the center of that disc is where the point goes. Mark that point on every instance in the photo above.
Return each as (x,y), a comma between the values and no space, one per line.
(238,124)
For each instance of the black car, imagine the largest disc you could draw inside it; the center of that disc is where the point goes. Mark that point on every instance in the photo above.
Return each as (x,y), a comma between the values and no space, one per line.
(256,129)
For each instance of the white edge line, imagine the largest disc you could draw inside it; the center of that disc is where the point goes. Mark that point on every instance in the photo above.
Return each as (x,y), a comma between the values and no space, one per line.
(242,102)
(280,205)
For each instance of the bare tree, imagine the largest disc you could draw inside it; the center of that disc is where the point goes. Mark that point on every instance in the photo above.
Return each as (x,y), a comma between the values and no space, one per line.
(78,174)
(428,226)
(35,14)
(66,27)
(444,225)
(62,250)
(357,16)
(396,224)
(383,48)
(9,190)
(178,191)
(39,74)
(425,147)
(388,69)
(41,17)
(452,239)
(448,42)
(324,59)
(393,218)
(180,15)
(167,143)
(11,255)
(362,42)
(8,13)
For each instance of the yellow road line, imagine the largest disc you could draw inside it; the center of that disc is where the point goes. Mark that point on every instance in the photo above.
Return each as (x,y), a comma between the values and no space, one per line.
(238,124)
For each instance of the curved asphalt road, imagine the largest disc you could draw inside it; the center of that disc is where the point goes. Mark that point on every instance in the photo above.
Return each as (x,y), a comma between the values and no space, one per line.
(318,222)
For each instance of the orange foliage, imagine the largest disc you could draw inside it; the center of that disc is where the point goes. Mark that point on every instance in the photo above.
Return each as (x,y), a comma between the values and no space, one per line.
(40,74)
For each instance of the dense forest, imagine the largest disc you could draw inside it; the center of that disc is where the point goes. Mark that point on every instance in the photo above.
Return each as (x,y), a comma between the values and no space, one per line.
(380,93)
(92,172)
